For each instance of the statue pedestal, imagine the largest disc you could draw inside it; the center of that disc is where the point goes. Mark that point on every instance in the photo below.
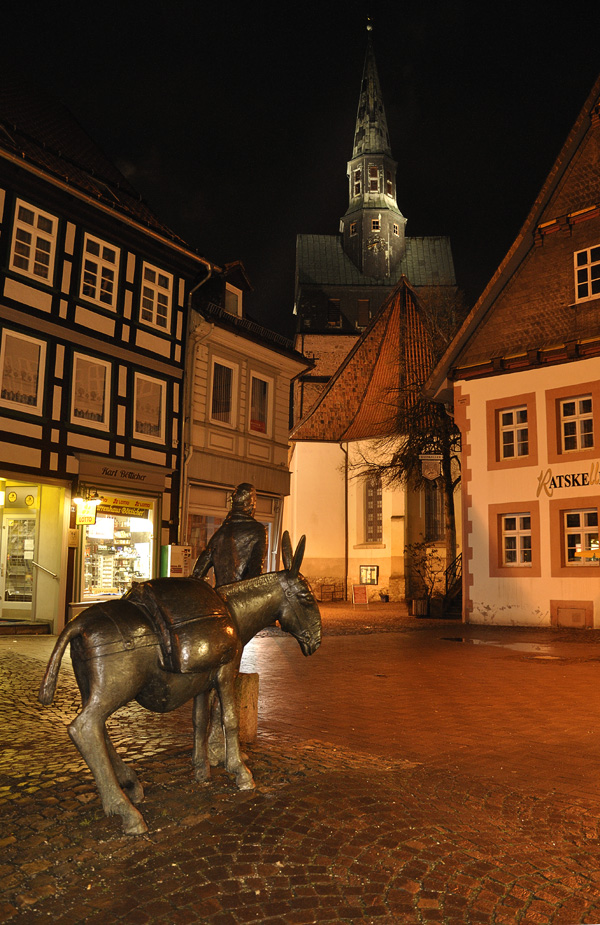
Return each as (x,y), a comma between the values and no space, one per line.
(246,699)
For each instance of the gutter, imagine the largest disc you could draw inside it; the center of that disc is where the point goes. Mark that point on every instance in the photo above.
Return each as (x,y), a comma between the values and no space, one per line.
(194,338)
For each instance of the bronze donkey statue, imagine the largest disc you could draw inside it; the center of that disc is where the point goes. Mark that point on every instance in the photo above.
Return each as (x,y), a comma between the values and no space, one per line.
(118,657)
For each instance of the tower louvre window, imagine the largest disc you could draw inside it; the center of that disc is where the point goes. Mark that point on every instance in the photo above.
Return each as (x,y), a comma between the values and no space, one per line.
(373,180)
(353,228)
(357,182)
(389,184)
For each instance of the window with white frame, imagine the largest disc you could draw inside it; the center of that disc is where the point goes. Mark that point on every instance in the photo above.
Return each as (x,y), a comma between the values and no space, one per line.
(157,294)
(233,300)
(514,432)
(260,403)
(373,509)
(375,224)
(223,390)
(587,273)
(357,182)
(34,242)
(149,408)
(577,423)
(373,179)
(396,229)
(99,271)
(90,398)
(389,184)
(516,539)
(22,367)
(581,537)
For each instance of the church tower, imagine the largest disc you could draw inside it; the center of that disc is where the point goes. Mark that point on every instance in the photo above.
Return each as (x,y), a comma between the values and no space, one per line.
(373,226)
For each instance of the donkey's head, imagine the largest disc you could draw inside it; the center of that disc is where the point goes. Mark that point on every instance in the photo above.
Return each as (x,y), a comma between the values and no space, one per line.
(299,614)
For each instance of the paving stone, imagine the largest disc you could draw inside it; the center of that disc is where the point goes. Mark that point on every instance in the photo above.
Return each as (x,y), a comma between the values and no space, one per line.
(339,829)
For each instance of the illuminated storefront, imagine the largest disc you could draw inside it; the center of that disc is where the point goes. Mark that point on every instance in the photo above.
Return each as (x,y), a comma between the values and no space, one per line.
(118,547)
(33,520)
(119,527)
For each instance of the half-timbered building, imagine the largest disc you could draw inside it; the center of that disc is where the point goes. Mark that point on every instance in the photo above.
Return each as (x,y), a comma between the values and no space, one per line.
(93,315)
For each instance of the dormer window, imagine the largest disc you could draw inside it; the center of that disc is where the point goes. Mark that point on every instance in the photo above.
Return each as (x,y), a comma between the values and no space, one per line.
(233,300)
(357,182)
(373,180)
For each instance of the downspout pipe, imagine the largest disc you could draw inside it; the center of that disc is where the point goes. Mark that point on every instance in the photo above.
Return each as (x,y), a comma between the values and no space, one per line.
(193,339)
(346,467)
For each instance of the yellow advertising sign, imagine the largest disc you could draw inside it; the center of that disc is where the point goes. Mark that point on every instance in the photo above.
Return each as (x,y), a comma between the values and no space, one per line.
(85,512)
(117,505)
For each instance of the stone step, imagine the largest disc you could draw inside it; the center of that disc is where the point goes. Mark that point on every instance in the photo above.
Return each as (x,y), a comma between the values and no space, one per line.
(22,628)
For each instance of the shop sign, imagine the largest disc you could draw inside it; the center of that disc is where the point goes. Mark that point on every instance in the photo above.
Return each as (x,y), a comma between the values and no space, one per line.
(118,506)
(85,513)
(115,472)
(548,482)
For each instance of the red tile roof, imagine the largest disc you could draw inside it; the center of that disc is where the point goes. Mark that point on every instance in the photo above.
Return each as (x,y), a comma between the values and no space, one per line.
(361,401)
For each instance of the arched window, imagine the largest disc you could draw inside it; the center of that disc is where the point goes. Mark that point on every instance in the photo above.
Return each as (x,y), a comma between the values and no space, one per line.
(373,510)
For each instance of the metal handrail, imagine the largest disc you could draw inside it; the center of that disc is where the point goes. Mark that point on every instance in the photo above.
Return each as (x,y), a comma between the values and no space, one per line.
(44,569)
(453,573)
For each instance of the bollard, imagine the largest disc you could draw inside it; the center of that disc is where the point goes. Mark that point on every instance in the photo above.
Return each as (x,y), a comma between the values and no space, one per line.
(246,698)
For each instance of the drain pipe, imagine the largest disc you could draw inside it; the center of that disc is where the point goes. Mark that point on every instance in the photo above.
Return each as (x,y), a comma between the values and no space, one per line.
(194,338)
(345,452)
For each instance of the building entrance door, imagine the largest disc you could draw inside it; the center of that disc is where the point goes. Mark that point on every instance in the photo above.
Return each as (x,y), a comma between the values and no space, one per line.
(17,555)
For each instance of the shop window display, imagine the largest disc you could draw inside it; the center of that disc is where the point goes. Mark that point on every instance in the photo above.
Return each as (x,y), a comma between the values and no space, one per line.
(118,549)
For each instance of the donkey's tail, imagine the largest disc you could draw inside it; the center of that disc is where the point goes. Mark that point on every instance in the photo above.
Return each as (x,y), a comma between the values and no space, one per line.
(48,685)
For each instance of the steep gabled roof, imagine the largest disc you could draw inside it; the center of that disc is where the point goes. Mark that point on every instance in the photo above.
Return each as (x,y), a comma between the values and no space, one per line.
(565,199)
(321,261)
(38,131)
(360,401)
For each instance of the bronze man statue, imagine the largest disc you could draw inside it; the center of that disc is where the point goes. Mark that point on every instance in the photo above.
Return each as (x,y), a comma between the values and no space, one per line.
(238,549)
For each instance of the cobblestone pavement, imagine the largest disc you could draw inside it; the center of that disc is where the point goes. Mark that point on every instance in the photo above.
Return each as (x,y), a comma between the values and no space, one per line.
(453,779)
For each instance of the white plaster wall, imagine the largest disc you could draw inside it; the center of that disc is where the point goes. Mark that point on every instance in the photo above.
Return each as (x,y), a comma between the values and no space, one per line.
(315,507)
(521,599)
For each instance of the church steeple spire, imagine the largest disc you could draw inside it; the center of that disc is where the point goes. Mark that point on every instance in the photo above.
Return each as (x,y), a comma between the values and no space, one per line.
(371,135)
(373,226)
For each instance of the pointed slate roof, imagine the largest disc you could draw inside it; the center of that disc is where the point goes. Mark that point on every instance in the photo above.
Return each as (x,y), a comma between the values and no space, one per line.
(371,135)
(360,402)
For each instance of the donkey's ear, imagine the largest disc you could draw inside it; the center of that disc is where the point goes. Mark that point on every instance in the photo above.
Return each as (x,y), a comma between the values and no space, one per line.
(298,557)
(286,550)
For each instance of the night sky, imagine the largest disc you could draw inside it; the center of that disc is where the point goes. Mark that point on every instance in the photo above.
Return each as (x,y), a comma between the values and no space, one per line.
(235,121)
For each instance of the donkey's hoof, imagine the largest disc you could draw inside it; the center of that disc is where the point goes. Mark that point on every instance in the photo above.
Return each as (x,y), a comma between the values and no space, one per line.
(134,825)
(244,780)
(202,775)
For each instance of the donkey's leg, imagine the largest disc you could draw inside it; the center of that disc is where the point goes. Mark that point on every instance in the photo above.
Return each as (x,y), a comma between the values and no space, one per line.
(216,739)
(200,715)
(233,757)
(126,776)
(88,733)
